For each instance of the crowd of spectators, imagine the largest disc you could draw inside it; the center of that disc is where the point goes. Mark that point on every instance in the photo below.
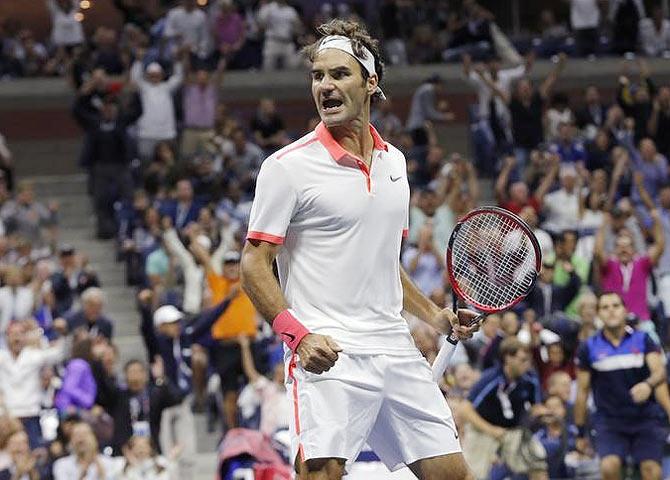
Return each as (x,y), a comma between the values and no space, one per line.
(172,174)
(268,34)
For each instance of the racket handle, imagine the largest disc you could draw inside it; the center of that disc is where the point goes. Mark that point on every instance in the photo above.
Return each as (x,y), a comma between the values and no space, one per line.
(447,351)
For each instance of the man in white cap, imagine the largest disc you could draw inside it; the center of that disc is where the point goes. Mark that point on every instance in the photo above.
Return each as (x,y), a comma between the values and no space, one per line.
(176,337)
(158,122)
(332,208)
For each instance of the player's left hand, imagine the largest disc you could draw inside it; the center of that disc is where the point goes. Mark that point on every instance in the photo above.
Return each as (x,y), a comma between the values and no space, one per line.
(447,320)
(641,392)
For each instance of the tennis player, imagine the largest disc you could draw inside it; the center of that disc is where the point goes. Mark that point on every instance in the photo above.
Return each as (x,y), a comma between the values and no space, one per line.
(332,208)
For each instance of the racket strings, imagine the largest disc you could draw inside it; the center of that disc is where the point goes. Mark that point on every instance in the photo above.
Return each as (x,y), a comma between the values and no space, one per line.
(493,260)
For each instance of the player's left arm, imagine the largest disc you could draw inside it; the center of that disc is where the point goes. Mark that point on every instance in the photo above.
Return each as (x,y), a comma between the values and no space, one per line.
(443,320)
(643,390)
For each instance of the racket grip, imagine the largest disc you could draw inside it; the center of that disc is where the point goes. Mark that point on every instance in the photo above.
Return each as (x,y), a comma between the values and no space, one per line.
(447,351)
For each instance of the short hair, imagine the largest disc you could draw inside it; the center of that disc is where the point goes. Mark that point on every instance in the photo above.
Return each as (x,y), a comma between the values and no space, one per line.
(93,293)
(511,346)
(359,37)
(133,361)
(610,292)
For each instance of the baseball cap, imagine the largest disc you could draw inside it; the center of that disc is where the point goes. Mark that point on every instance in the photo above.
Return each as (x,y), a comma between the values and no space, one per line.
(231,257)
(167,314)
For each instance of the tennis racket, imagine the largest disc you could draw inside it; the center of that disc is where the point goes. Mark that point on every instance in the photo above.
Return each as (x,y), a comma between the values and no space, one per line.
(493,260)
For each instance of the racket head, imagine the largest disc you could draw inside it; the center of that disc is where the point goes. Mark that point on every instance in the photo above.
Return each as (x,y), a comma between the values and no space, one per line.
(500,256)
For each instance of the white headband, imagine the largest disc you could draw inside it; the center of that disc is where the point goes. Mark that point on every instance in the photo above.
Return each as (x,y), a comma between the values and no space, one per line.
(340,42)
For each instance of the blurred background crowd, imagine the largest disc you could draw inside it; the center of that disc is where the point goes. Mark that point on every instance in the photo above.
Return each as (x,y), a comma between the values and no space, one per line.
(171,172)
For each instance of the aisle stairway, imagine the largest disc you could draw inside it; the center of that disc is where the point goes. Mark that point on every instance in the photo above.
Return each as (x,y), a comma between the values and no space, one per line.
(77,228)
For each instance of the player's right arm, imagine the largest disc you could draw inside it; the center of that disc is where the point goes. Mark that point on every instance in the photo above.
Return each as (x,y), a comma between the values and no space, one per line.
(275,203)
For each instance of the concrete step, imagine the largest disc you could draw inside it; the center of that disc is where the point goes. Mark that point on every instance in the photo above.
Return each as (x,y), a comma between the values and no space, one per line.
(61,184)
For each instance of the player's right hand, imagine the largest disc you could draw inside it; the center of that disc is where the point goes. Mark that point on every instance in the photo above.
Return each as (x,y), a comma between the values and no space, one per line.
(318,353)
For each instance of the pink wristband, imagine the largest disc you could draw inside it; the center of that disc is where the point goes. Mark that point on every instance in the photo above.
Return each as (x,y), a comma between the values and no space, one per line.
(289,329)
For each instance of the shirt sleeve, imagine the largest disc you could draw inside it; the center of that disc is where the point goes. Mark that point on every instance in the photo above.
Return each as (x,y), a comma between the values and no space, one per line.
(583,359)
(650,346)
(274,204)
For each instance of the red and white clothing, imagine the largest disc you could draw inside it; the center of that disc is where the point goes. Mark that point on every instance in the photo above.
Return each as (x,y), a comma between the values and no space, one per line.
(341,225)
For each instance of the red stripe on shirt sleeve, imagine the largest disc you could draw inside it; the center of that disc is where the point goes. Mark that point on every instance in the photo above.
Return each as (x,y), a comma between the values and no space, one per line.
(405,233)
(266,237)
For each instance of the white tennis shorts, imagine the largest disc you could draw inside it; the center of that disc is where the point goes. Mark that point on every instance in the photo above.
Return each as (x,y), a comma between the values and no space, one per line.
(388,401)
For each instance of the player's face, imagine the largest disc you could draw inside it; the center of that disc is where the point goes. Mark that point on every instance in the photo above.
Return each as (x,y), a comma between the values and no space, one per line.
(339,91)
(612,311)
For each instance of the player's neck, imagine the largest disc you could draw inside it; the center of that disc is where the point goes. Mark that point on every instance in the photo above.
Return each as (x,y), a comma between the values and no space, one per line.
(355,138)
(614,335)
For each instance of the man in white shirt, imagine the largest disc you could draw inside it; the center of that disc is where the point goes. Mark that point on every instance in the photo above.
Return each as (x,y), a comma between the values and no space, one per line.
(85,462)
(585,19)
(20,366)
(655,33)
(332,208)
(158,122)
(188,24)
(561,207)
(280,23)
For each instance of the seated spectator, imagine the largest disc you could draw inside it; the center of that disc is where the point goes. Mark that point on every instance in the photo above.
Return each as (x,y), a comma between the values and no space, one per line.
(529,215)
(547,297)
(142,461)
(27,217)
(275,406)
(557,115)
(17,301)
(20,365)
(31,54)
(553,34)
(561,207)
(23,462)
(138,406)
(428,207)
(243,159)
(85,461)
(566,146)
(556,435)
(79,389)
(593,113)
(655,33)
(384,119)
(106,53)
(625,273)
(496,407)
(268,128)
(91,317)
(70,280)
(183,208)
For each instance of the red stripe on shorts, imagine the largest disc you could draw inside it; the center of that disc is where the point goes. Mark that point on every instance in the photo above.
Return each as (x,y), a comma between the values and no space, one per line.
(296,410)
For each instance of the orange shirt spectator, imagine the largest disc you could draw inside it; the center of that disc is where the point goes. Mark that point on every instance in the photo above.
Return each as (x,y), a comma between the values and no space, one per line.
(240,317)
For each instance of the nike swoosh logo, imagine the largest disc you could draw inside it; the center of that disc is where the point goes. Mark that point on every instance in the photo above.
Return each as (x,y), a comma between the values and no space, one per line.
(290,336)
(395,179)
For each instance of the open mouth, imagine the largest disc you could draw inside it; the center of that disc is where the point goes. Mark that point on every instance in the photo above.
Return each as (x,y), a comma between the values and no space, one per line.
(331,104)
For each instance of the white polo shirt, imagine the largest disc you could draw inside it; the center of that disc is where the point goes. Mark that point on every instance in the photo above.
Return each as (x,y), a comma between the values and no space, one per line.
(341,226)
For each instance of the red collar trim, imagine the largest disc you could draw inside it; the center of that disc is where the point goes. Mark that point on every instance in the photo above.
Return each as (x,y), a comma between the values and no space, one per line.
(335,149)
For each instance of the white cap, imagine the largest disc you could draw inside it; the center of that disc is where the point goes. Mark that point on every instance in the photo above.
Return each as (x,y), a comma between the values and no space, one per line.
(154,67)
(167,314)
(231,256)
(204,242)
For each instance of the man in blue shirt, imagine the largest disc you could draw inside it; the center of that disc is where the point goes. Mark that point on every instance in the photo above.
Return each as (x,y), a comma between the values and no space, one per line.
(496,407)
(623,367)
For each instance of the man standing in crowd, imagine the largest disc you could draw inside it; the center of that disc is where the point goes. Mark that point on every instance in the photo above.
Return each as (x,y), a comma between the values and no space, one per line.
(624,369)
